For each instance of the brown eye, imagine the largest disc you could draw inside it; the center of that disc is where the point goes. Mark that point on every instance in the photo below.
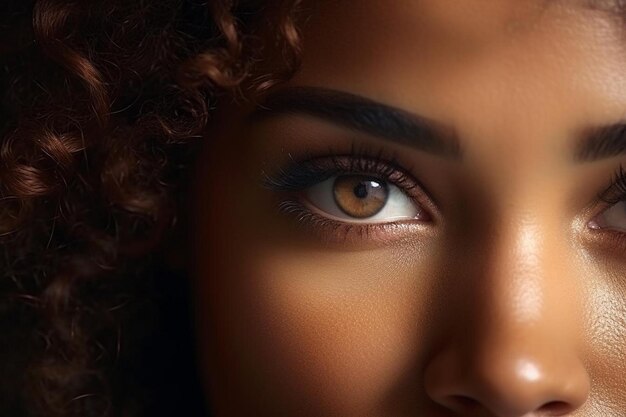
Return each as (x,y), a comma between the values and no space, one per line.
(362,198)
(359,196)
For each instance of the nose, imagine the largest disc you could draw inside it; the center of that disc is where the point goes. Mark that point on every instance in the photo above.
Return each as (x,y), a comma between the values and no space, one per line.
(512,346)
(507,383)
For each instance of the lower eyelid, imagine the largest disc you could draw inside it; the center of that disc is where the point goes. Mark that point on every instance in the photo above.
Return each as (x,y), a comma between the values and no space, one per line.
(365,234)
(610,243)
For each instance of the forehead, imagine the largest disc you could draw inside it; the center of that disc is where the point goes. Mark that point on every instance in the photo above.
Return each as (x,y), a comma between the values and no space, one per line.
(466,23)
(474,64)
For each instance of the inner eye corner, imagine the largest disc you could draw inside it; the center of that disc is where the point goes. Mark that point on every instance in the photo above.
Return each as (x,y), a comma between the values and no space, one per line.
(611,217)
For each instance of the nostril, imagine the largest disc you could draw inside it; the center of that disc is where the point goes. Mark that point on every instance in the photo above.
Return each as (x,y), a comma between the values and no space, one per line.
(554,408)
(465,405)
(462,403)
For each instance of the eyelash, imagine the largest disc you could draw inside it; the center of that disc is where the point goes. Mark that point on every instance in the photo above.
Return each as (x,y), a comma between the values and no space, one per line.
(310,170)
(613,240)
(616,191)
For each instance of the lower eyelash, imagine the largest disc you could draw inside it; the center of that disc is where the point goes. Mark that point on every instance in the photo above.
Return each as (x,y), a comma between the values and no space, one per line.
(305,216)
(330,230)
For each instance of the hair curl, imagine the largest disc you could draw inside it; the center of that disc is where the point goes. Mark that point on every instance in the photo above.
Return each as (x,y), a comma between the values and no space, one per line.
(103,105)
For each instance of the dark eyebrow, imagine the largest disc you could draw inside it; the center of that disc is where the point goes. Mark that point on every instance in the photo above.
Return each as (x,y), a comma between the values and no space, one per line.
(602,142)
(364,115)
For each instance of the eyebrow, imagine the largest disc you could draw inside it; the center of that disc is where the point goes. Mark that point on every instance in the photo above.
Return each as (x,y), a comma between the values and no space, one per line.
(602,143)
(364,115)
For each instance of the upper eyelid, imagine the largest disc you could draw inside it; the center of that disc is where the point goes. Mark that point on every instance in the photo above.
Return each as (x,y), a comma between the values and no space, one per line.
(300,175)
(616,191)
(366,162)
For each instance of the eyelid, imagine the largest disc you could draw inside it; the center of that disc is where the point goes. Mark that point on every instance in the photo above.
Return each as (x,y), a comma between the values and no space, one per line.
(299,175)
(360,158)
(367,235)
(612,240)
(616,191)
(291,179)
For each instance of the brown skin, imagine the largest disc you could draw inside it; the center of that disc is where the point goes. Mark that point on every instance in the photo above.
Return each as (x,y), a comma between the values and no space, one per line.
(506,302)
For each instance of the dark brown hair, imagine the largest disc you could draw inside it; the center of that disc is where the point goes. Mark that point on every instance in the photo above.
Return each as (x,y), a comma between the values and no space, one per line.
(103,105)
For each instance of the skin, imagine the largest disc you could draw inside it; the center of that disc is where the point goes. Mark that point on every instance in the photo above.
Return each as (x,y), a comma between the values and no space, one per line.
(508,302)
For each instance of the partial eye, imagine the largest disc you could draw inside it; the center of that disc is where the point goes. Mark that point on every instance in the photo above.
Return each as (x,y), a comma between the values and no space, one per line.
(612,218)
(362,199)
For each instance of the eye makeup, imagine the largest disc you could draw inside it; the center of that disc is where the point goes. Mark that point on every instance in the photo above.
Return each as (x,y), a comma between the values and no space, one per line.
(616,191)
(302,183)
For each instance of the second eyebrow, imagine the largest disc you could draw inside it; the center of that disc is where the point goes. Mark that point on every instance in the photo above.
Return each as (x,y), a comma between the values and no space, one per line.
(364,115)
(602,142)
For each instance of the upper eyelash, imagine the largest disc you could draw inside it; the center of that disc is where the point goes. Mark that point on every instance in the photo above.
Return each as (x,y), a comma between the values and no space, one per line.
(301,175)
(616,191)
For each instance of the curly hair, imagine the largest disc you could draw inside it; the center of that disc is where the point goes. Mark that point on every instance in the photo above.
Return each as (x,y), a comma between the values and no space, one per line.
(104,103)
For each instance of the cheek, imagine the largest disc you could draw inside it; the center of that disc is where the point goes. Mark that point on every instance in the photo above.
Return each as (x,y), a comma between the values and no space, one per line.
(342,329)
(606,335)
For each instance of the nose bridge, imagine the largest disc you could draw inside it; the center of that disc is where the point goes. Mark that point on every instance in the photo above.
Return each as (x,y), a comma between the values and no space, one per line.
(525,325)
(516,350)
(522,270)
(522,313)
(523,276)
(513,274)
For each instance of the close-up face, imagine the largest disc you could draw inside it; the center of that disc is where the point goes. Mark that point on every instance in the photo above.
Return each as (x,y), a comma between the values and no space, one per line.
(428,219)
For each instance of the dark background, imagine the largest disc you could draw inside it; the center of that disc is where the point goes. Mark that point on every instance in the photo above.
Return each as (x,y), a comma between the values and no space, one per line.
(165,364)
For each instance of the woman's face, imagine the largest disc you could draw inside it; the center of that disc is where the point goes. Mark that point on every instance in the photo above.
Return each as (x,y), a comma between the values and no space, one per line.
(426,220)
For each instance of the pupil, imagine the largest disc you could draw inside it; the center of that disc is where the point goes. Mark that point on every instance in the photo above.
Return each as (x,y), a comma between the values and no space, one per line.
(361,190)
